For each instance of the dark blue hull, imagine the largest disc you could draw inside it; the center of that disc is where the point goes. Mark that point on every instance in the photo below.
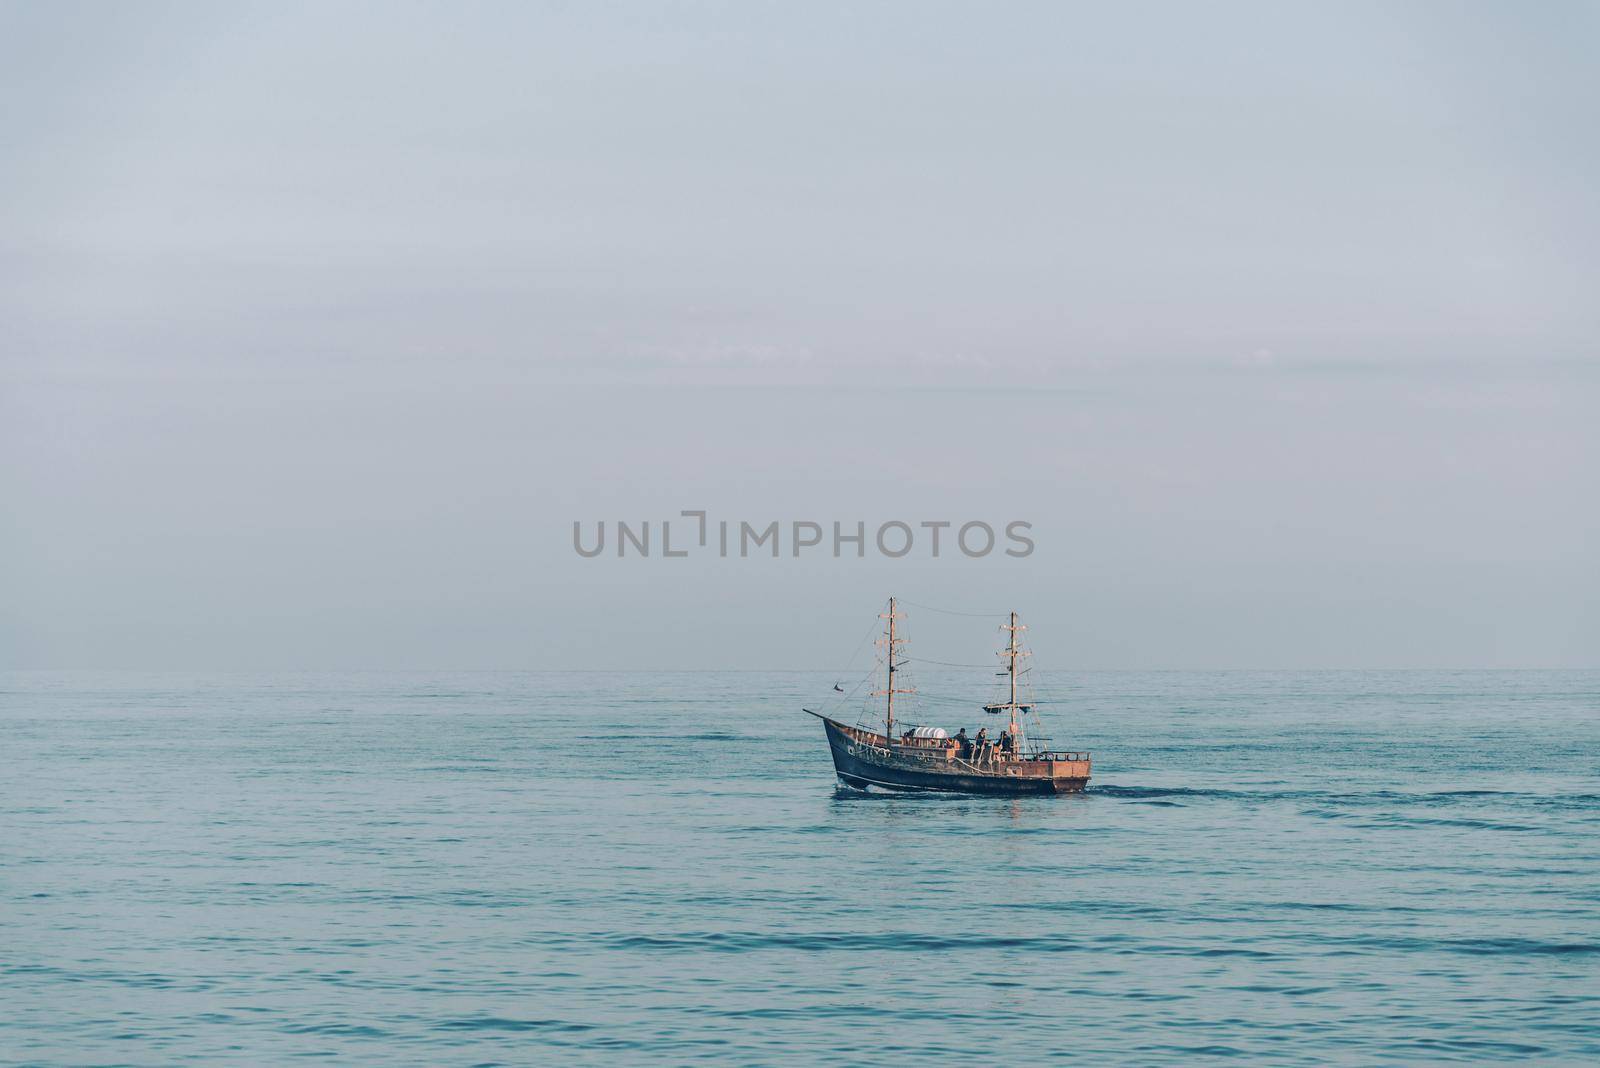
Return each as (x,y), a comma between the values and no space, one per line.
(861,764)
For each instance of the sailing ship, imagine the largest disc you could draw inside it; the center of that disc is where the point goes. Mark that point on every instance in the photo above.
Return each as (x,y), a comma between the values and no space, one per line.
(926,758)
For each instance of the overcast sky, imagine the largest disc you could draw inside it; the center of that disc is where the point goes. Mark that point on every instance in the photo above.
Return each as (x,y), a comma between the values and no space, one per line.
(321,324)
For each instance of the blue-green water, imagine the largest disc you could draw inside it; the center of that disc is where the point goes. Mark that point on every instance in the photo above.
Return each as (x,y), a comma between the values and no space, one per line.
(1297,868)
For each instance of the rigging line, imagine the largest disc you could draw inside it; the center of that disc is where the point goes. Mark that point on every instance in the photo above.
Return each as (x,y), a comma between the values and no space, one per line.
(948,612)
(855,691)
(861,644)
(866,705)
(841,699)
(946,663)
(838,700)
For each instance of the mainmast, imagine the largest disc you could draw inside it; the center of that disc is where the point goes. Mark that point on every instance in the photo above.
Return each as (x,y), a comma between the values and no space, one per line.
(893,644)
(1011,661)
(1012,652)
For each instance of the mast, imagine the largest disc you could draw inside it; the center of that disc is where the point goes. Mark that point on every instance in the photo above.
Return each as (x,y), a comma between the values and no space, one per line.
(893,644)
(1012,659)
(888,705)
(1011,652)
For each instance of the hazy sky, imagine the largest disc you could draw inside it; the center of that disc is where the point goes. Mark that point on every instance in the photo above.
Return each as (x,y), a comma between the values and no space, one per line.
(321,324)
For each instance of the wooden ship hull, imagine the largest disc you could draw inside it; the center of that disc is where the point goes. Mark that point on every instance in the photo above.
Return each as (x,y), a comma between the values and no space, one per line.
(864,759)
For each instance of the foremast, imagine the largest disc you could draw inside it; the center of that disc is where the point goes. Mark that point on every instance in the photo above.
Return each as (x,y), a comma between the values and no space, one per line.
(891,646)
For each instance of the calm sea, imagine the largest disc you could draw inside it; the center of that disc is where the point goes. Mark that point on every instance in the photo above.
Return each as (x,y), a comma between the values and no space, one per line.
(1295,868)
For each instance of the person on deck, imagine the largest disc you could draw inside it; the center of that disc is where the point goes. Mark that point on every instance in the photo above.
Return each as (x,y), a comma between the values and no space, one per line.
(982,741)
(1005,743)
(964,742)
